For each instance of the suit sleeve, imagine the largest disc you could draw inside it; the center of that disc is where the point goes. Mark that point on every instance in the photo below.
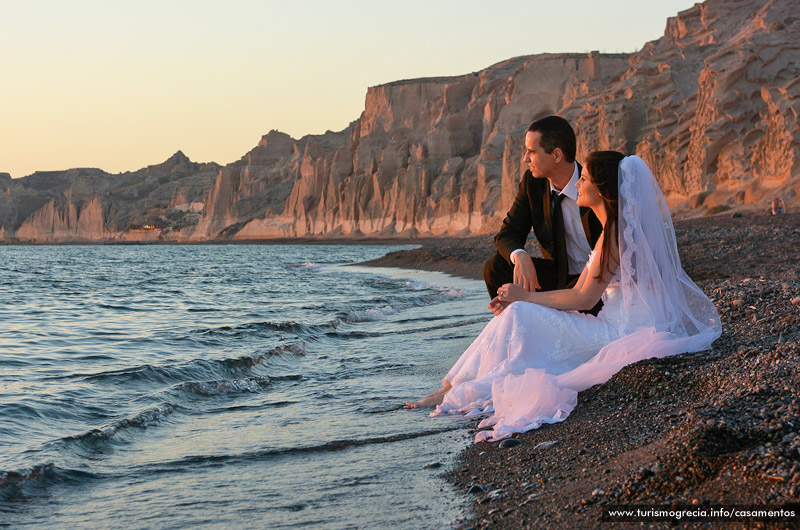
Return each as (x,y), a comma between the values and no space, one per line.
(517,224)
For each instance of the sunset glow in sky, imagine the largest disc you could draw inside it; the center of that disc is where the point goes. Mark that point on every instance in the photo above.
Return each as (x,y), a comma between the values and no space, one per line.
(122,85)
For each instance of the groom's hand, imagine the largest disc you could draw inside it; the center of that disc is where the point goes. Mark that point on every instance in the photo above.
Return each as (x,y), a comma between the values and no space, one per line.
(525,272)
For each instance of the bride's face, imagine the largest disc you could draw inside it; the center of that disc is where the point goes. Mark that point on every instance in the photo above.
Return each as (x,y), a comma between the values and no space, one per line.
(588,194)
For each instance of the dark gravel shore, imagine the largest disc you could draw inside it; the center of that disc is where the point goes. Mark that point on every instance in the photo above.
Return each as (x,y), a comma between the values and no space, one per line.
(717,427)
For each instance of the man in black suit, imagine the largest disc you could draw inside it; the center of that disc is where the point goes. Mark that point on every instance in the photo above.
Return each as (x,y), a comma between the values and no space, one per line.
(545,203)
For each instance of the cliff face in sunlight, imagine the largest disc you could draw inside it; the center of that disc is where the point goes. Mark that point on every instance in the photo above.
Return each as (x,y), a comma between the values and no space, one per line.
(712,106)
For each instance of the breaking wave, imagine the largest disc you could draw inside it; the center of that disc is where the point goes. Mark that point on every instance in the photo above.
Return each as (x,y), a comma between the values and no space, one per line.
(195,370)
(147,418)
(217,388)
(15,485)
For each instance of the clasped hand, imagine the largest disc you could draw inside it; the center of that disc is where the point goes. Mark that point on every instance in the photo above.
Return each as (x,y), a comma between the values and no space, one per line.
(508,293)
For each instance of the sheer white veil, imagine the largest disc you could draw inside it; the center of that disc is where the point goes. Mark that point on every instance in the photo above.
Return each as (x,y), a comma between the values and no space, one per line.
(652,277)
(665,313)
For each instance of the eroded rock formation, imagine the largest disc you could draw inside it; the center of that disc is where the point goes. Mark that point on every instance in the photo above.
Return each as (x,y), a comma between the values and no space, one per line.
(91,205)
(712,106)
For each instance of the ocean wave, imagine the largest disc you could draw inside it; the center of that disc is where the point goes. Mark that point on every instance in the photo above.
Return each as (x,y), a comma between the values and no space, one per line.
(372,314)
(19,411)
(427,318)
(145,419)
(218,388)
(251,328)
(369,315)
(143,372)
(382,409)
(357,334)
(122,307)
(387,306)
(447,325)
(289,377)
(195,370)
(156,415)
(354,334)
(259,407)
(445,294)
(19,484)
(297,349)
(333,445)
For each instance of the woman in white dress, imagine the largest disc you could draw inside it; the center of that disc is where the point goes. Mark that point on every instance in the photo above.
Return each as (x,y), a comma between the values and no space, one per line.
(531,360)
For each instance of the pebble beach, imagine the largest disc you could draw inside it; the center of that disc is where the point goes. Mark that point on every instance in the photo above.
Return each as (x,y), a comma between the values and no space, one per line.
(720,426)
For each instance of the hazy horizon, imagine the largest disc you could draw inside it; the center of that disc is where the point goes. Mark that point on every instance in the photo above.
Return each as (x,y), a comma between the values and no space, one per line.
(119,87)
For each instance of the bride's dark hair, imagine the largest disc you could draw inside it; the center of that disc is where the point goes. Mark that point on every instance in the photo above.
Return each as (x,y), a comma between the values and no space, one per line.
(603,167)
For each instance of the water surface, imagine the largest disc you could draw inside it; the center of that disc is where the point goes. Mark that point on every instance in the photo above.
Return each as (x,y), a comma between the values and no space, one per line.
(243,386)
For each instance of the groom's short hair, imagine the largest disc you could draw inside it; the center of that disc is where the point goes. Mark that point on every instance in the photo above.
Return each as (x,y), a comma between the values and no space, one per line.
(555,132)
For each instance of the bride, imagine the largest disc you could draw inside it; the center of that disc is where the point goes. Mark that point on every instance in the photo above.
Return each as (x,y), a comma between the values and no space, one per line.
(529,363)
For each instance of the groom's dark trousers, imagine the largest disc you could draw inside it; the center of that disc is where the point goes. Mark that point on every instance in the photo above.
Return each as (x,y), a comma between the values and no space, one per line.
(532,210)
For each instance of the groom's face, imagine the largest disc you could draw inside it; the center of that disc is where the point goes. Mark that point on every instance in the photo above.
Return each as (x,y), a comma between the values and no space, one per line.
(540,163)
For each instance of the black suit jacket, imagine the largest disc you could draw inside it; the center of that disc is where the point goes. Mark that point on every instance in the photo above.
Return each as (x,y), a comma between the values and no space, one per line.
(531,210)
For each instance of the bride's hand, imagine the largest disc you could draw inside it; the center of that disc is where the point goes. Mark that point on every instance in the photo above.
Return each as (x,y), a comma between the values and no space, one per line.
(496,306)
(511,292)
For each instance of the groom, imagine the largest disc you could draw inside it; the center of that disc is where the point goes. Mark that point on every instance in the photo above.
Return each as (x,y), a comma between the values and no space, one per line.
(545,202)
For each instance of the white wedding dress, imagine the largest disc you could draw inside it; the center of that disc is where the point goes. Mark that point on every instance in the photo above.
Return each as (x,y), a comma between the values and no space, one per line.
(529,363)
(530,336)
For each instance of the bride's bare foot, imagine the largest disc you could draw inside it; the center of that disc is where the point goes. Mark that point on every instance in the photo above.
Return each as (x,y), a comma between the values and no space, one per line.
(431,400)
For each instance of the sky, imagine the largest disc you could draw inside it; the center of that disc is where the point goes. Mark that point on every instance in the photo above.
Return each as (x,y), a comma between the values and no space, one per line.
(123,85)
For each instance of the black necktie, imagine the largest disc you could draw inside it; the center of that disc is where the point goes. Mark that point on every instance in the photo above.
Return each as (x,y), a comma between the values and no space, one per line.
(559,237)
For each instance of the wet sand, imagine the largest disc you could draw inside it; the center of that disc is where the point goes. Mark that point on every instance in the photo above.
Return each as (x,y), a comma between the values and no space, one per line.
(716,427)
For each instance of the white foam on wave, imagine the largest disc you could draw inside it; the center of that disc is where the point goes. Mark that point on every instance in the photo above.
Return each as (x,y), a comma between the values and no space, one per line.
(370,315)
(448,293)
(219,388)
(303,265)
(147,418)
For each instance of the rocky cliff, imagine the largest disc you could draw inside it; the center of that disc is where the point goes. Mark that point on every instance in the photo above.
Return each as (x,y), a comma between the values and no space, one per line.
(712,106)
(92,205)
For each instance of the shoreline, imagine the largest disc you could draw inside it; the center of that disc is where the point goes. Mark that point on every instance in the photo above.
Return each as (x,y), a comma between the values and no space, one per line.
(463,257)
(720,426)
(280,241)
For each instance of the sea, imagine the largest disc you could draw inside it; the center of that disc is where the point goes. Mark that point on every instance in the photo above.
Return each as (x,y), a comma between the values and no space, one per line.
(227,386)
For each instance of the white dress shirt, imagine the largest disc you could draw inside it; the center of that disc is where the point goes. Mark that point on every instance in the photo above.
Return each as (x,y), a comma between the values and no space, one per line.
(578,248)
